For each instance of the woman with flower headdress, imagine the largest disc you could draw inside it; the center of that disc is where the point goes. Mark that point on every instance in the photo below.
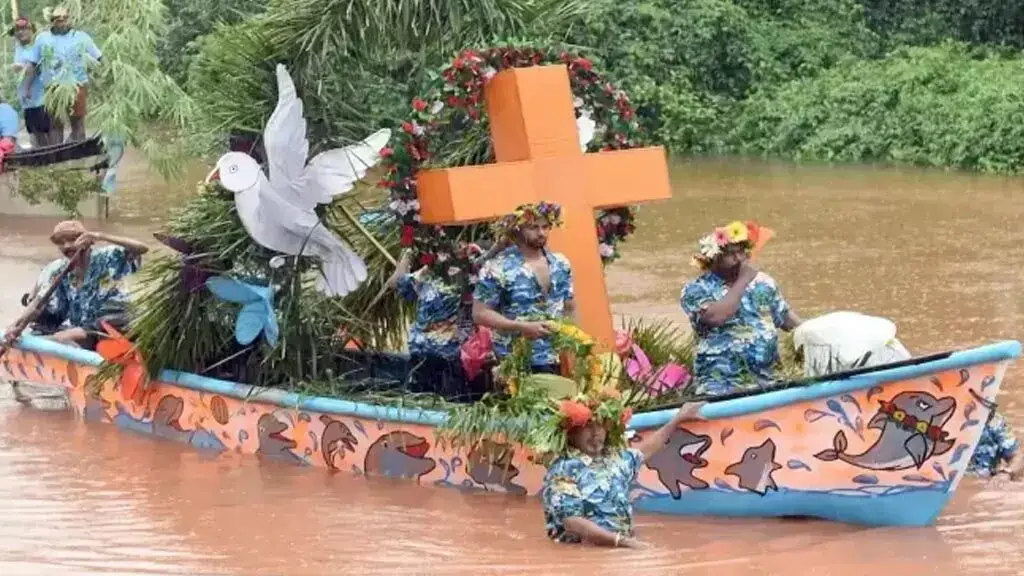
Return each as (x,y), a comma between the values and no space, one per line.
(586,489)
(525,286)
(736,312)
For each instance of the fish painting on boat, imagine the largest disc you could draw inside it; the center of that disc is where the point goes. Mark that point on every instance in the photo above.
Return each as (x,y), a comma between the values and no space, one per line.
(885,446)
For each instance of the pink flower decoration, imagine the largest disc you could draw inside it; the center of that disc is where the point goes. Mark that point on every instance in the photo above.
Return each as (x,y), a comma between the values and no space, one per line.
(623,343)
(721,237)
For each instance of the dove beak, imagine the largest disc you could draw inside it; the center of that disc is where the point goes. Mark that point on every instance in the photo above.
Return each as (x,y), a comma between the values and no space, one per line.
(214,175)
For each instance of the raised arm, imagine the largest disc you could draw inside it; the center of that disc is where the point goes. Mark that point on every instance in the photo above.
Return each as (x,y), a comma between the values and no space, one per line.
(650,445)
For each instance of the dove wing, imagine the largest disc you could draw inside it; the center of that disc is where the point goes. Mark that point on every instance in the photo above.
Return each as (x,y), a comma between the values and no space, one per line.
(284,138)
(336,171)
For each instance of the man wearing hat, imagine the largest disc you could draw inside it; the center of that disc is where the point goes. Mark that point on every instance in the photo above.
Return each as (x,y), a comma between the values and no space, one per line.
(63,55)
(31,95)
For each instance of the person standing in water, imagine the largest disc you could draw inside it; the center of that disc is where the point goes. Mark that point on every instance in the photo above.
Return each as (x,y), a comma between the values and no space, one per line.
(63,56)
(736,312)
(91,294)
(526,285)
(586,489)
(31,93)
(998,456)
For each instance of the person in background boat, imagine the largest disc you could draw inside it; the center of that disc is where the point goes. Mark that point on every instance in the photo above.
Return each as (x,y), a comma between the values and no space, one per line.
(434,337)
(736,312)
(91,294)
(526,285)
(586,490)
(61,55)
(10,125)
(31,93)
(998,456)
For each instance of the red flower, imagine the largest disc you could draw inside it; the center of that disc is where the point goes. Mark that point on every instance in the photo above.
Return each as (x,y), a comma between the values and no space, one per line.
(427,259)
(626,415)
(574,414)
(419,105)
(386,152)
(408,236)
(407,127)
(453,101)
(584,63)
(459,64)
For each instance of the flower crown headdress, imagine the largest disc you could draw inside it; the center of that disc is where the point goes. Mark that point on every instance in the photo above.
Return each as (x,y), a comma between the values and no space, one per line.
(525,214)
(748,234)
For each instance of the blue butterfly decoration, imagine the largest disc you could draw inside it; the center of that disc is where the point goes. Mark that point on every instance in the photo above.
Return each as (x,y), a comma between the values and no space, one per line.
(257,314)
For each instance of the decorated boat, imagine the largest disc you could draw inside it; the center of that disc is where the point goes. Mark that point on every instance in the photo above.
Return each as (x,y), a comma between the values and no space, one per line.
(882,446)
(233,309)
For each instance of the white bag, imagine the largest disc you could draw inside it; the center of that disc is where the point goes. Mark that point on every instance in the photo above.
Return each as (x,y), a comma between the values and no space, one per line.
(847,340)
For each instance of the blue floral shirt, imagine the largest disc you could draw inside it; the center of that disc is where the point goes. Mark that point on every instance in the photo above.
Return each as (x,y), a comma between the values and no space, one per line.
(510,287)
(743,352)
(597,489)
(996,446)
(437,308)
(83,305)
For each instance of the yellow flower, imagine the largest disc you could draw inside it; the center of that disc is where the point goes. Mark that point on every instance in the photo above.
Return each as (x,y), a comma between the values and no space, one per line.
(922,427)
(737,232)
(512,387)
(899,415)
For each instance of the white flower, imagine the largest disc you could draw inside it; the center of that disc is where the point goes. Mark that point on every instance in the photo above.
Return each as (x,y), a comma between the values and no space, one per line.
(708,247)
(277,261)
(585,130)
(454,270)
(489,73)
(473,278)
(417,129)
(442,256)
(401,207)
(437,107)
(615,219)
(607,250)
(577,102)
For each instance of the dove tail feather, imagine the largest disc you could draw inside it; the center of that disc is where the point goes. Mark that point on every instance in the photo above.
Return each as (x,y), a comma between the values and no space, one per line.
(343,271)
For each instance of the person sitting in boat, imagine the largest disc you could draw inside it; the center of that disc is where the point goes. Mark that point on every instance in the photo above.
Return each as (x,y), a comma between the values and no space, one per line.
(434,337)
(526,285)
(736,312)
(998,455)
(31,94)
(91,292)
(586,490)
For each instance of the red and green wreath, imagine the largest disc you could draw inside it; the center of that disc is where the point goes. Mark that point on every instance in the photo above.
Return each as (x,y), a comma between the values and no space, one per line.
(448,128)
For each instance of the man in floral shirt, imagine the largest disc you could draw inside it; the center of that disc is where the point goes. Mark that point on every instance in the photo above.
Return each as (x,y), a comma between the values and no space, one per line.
(998,455)
(91,292)
(526,285)
(586,490)
(736,312)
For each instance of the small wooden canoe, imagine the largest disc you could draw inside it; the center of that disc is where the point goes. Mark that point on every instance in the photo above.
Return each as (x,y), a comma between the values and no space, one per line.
(884,446)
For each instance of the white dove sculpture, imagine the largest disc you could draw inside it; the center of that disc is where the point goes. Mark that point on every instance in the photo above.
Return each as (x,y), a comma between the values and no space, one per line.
(279,212)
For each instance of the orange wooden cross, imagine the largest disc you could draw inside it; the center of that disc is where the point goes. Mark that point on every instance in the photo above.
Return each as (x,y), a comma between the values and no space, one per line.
(533,127)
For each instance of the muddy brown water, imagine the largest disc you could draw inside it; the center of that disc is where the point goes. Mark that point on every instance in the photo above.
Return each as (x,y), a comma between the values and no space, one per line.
(940,253)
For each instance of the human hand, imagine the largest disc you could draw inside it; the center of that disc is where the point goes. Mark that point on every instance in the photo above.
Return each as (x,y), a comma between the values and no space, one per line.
(86,240)
(747,271)
(633,543)
(534,330)
(998,480)
(690,411)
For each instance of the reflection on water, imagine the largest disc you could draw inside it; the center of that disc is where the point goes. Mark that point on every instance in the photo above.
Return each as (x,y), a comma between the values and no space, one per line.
(934,251)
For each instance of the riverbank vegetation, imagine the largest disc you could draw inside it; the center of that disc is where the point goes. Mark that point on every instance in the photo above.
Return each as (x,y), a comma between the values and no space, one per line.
(928,82)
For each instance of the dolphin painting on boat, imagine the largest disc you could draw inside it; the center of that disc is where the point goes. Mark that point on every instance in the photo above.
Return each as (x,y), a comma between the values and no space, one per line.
(911,427)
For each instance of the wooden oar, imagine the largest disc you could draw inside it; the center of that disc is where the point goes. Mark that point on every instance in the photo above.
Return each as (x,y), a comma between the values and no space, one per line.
(35,308)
